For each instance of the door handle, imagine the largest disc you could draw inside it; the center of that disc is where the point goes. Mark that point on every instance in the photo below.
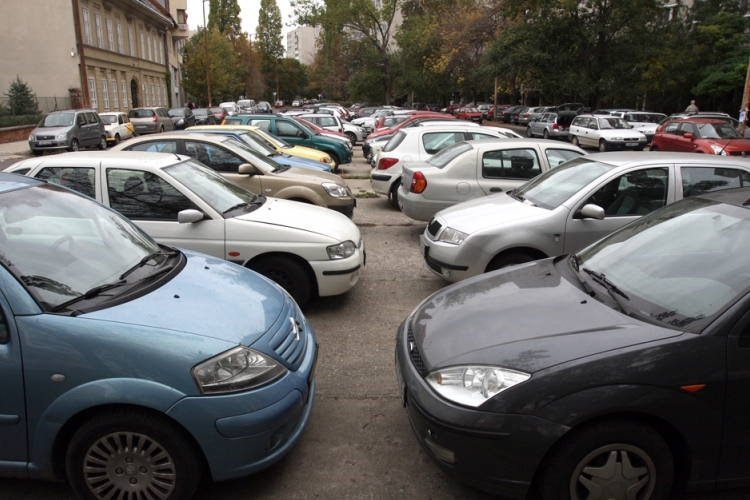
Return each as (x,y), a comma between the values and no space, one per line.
(496,190)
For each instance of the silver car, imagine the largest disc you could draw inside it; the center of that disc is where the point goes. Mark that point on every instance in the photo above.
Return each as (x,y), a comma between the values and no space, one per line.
(605,132)
(150,120)
(551,125)
(568,208)
(475,169)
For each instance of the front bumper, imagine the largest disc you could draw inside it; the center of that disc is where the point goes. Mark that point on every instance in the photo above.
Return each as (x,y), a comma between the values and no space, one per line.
(346,208)
(626,145)
(335,277)
(48,145)
(453,262)
(495,452)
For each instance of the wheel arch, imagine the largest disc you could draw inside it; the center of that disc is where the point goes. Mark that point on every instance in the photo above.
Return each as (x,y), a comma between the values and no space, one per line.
(297,258)
(299,193)
(535,253)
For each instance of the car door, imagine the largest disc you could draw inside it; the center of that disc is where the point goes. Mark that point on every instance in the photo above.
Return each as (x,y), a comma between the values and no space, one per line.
(152,202)
(292,133)
(91,133)
(503,169)
(591,133)
(13,444)
(682,143)
(626,197)
(227,163)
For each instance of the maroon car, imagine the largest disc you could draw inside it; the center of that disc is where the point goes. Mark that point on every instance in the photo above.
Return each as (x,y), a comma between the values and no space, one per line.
(219,114)
(700,135)
(471,114)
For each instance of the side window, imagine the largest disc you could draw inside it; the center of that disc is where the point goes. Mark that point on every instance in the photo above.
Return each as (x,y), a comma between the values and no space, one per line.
(264,125)
(286,129)
(635,193)
(81,120)
(142,195)
(510,164)
(437,141)
(156,147)
(672,128)
(119,119)
(697,180)
(579,122)
(557,156)
(686,128)
(4,333)
(213,156)
(549,118)
(91,118)
(476,135)
(76,178)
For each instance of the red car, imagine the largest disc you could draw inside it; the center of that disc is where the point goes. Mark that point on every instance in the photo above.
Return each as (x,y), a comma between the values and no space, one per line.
(322,131)
(700,135)
(471,114)
(219,114)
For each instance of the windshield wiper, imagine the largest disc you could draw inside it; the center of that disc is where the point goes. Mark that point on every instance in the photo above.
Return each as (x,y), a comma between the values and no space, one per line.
(236,207)
(143,262)
(605,282)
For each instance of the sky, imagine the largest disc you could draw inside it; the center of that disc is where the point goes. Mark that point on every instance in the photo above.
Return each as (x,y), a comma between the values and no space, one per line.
(248,13)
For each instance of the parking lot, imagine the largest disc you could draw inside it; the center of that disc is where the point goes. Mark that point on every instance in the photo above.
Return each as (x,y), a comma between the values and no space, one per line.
(358,443)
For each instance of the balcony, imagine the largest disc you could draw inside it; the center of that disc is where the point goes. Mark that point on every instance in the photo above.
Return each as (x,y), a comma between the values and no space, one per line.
(180,32)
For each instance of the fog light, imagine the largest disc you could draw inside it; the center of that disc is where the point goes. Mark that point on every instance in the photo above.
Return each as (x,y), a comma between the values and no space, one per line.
(443,454)
(445,272)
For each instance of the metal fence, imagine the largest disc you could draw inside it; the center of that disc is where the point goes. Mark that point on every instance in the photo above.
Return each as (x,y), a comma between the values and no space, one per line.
(46,104)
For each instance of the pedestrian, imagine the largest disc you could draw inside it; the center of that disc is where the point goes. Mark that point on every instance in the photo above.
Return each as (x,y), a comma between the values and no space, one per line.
(692,108)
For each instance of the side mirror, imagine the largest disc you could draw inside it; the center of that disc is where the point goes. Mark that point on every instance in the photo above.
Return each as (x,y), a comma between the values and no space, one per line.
(189,216)
(688,136)
(592,211)
(246,169)
(303,135)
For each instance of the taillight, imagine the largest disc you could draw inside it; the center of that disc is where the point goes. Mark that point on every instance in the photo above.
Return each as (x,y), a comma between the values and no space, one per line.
(554,126)
(156,119)
(418,183)
(386,163)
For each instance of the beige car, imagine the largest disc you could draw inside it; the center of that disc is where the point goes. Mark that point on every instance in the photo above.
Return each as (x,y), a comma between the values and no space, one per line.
(251,170)
(150,120)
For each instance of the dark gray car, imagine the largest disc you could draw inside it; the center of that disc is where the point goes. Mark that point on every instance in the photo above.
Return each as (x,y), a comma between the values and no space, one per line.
(618,372)
(182,118)
(68,130)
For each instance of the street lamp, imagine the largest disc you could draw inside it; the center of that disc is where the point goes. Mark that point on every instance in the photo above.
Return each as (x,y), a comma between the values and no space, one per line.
(205,42)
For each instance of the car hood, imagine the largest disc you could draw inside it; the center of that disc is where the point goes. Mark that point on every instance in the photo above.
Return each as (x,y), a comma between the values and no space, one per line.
(51,130)
(627,133)
(728,144)
(526,318)
(298,161)
(310,218)
(475,215)
(310,175)
(223,301)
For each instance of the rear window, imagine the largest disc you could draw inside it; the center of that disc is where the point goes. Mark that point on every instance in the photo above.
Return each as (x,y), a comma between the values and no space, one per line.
(394,142)
(449,154)
(141,113)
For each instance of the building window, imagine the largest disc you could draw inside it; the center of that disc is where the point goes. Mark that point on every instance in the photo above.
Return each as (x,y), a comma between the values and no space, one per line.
(153,95)
(161,51)
(86,27)
(119,39)
(110,35)
(148,44)
(105,94)
(131,41)
(99,37)
(181,17)
(115,100)
(145,95)
(143,47)
(124,94)
(92,94)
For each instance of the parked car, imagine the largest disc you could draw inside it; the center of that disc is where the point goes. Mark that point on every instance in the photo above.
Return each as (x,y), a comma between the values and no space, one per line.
(251,170)
(231,107)
(642,121)
(471,114)
(515,117)
(469,170)
(506,114)
(700,135)
(354,133)
(420,144)
(68,130)
(324,121)
(113,342)
(293,132)
(297,103)
(568,208)
(605,132)
(182,118)
(278,104)
(220,114)
(373,145)
(204,116)
(264,107)
(177,201)
(484,109)
(150,120)
(529,114)
(247,106)
(337,136)
(550,125)
(622,368)
(117,126)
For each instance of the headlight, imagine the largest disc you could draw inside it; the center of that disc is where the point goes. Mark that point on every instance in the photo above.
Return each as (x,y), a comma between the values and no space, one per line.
(335,190)
(238,369)
(617,138)
(342,250)
(31,137)
(473,385)
(62,137)
(452,236)
(719,150)
(180,122)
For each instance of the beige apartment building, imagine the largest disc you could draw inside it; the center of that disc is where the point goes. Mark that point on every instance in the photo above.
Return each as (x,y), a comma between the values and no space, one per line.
(301,43)
(110,55)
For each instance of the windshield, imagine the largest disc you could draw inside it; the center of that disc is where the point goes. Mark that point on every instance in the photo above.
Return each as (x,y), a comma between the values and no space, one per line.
(681,266)
(613,123)
(275,141)
(141,113)
(449,154)
(58,120)
(394,142)
(554,187)
(717,131)
(61,244)
(259,160)
(211,187)
(108,119)
(177,112)
(256,143)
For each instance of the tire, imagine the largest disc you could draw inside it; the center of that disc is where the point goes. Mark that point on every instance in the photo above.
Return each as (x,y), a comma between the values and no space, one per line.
(393,194)
(575,142)
(288,274)
(621,444)
(546,134)
(529,133)
(603,146)
(74,145)
(653,148)
(161,129)
(136,471)
(352,137)
(102,143)
(117,139)
(507,260)
(336,160)
(37,152)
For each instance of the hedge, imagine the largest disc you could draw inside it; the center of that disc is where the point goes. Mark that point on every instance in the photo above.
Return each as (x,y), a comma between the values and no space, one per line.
(11,121)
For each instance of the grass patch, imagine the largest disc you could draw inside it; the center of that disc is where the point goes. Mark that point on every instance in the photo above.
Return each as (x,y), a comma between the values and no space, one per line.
(367,194)
(344,176)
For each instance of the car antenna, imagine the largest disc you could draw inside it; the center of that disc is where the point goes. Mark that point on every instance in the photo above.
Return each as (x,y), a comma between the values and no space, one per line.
(177,156)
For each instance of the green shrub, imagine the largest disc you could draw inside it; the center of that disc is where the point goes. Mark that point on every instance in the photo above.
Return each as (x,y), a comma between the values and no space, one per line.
(11,121)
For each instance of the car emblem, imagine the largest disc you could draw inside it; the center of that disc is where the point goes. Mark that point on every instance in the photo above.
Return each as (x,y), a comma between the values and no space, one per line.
(295,327)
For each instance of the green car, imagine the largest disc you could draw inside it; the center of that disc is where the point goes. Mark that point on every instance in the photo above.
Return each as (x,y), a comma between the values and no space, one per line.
(295,133)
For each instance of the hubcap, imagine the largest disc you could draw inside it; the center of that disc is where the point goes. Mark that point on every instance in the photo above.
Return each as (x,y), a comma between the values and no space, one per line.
(281,278)
(129,465)
(616,472)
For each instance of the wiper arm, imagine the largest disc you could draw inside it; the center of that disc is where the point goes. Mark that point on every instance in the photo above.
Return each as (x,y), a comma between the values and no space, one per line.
(602,279)
(143,262)
(236,207)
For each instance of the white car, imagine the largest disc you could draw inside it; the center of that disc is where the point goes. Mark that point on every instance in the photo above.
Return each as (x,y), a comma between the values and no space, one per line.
(605,132)
(117,126)
(324,121)
(642,121)
(475,169)
(378,143)
(231,107)
(419,144)
(308,250)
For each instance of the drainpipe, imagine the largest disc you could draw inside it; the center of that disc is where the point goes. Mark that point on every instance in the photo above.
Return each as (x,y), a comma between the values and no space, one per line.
(81,58)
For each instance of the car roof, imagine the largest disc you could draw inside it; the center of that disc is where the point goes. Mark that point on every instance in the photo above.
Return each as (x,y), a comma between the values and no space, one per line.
(739,197)
(695,119)
(523,141)
(11,182)
(131,159)
(635,158)
(460,125)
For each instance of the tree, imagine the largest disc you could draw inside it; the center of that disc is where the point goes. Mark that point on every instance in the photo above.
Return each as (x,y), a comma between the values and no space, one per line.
(226,82)
(268,40)
(21,99)
(225,17)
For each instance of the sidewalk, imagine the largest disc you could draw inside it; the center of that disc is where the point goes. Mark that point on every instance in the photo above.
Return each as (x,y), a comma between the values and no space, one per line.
(19,149)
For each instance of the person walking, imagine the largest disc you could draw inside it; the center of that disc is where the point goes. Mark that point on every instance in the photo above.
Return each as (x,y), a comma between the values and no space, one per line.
(692,108)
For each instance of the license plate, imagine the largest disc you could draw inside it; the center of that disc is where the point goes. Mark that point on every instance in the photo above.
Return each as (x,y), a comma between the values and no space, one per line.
(631,144)
(45,143)
(141,126)
(401,384)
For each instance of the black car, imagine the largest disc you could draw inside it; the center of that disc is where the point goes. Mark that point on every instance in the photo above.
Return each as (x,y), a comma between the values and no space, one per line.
(204,116)
(265,107)
(506,114)
(623,368)
(182,117)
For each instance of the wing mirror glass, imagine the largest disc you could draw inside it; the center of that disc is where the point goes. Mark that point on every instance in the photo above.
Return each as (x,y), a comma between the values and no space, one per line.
(592,211)
(189,216)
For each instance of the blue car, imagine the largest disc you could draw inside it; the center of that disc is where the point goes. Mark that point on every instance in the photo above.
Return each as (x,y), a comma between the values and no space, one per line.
(135,368)
(256,143)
